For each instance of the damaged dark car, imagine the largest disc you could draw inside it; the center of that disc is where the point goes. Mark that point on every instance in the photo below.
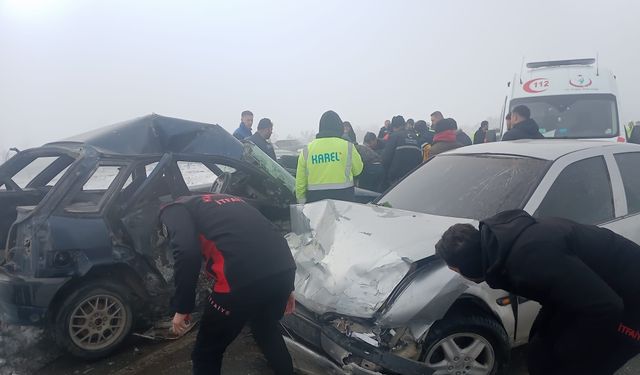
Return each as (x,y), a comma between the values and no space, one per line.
(83,254)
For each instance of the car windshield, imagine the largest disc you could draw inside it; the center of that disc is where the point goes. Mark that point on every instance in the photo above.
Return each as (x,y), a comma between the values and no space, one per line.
(254,155)
(574,116)
(468,186)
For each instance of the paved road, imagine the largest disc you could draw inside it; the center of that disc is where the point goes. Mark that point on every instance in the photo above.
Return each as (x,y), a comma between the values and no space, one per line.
(140,356)
(143,357)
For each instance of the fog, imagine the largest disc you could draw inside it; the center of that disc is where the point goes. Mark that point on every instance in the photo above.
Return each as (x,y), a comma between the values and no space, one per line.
(70,66)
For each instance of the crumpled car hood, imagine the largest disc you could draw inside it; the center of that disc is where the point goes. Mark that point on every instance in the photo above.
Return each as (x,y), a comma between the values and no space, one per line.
(351,256)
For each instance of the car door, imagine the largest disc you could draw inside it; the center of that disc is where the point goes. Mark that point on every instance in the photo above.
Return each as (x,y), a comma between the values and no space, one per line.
(626,166)
(580,187)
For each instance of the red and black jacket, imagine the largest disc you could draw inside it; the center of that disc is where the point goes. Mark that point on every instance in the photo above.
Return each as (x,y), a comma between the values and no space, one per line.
(239,245)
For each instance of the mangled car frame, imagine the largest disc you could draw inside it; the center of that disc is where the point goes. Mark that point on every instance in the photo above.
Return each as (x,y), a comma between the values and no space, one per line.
(83,255)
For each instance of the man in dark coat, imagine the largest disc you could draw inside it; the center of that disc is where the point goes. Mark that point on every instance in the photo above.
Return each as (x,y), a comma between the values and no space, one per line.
(402,151)
(585,278)
(445,138)
(372,176)
(261,137)
(522,125)
(481,134)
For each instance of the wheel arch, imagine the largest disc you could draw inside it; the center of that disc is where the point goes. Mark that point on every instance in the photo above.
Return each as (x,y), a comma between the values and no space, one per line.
(120,273)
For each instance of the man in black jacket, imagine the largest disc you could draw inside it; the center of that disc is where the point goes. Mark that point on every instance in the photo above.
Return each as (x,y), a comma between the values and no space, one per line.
(261,137)
(522,125)
(585,278)
(253,272)
(402,152)
(481,134)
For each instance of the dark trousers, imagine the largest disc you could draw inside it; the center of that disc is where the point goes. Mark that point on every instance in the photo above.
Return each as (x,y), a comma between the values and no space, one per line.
(372,177)
(347,194)
(262,306)
(609,355)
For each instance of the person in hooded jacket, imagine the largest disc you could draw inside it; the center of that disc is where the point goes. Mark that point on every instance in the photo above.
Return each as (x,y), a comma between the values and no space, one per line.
(402,152)
(585,277)
(328,165)
(522,125)
(445,138)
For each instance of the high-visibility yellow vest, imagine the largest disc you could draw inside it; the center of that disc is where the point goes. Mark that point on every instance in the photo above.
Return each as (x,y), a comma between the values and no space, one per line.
(327,164)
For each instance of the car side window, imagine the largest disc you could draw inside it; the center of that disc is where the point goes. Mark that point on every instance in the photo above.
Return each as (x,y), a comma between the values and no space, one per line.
(196,175)
(629,164)
(91,197)
(582,193)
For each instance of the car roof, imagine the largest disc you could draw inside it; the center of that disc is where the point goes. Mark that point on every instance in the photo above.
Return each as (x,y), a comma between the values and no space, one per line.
(546,149)
(155,134)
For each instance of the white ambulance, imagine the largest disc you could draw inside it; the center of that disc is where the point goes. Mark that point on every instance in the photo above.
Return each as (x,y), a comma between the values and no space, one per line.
(568,99)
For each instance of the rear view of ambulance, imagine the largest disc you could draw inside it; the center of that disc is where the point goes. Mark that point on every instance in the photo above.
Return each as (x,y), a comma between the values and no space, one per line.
(568,99)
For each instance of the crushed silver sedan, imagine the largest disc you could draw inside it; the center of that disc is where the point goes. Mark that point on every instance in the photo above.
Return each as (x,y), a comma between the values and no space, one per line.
(374,299)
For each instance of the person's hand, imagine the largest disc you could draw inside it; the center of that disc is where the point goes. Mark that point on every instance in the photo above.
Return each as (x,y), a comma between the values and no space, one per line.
(291,305)
(180,323)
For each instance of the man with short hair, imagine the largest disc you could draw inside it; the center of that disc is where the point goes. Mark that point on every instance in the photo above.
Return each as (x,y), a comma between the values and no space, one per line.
(244,130)
(585,277)
(262,136)
(522,125)
(435,118)
(480,134)
(374,143)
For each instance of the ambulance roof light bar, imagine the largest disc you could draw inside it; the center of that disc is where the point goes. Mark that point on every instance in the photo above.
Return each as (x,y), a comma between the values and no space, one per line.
(545,64)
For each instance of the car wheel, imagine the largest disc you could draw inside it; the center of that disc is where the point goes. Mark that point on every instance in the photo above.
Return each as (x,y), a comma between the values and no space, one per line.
(471,345)
(94,319)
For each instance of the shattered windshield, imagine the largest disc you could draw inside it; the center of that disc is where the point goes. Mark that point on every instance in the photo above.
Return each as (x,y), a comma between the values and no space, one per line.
(254,155)
(468,186)
(574,116)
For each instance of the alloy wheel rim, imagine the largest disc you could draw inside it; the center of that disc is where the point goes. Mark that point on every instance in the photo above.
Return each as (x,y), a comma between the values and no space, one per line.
(462,354)
(97,322)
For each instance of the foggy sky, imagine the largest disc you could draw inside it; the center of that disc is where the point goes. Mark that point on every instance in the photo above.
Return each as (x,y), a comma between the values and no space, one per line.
(70,66)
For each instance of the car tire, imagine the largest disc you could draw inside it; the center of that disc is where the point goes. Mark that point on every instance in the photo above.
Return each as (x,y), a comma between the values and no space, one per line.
(94,319)
(464,332)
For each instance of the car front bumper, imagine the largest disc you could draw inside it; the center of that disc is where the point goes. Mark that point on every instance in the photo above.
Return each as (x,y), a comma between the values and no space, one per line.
(25,301)
(319,348)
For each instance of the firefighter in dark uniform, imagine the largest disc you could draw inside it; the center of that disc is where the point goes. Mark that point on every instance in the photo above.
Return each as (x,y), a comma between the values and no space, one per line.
(253,270)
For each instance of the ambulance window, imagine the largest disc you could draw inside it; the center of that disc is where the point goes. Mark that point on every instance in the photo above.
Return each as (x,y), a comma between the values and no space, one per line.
(582,193)
(573,116)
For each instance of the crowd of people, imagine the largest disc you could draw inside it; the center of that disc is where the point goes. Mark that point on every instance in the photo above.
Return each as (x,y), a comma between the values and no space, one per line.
(334,163)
